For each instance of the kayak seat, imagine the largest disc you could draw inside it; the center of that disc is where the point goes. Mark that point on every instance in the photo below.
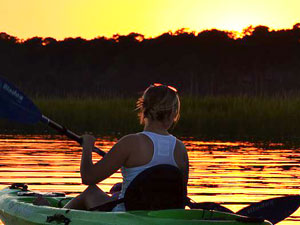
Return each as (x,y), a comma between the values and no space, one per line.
(156,188)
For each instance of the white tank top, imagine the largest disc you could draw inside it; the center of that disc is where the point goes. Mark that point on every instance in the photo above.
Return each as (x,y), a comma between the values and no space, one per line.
(163,153)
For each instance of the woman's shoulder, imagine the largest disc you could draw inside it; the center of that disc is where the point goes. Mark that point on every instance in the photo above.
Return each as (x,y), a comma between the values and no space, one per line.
(131,143)
(130,138)
(180,147)
(180,143)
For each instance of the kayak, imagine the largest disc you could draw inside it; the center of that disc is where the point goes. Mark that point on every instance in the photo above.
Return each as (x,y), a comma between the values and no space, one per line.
(17,208)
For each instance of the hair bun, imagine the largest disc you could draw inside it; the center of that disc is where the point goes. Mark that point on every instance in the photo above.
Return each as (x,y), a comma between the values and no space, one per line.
(158,103)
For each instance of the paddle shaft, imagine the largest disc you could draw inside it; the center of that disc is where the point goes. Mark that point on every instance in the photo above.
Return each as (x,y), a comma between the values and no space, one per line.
(67,132)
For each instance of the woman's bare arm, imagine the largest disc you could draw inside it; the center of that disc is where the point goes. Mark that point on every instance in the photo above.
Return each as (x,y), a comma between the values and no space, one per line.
(182,160)
(109,164)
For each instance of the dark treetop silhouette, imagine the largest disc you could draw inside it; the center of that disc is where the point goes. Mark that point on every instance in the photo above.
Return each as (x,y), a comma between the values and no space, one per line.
(262,62)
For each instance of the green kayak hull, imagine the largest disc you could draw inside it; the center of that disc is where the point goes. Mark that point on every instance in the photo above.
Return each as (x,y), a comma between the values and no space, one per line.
(19,210)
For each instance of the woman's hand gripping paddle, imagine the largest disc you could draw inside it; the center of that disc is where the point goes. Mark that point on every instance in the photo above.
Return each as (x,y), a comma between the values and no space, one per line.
(14,105)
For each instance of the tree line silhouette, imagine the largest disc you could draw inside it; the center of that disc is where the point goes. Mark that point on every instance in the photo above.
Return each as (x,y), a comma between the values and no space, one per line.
(212,62)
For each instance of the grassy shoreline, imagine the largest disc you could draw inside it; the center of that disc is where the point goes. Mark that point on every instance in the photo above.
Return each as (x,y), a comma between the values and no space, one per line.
(231,118)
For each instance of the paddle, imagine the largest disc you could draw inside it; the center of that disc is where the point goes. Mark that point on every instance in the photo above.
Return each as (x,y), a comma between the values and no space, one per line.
(273,210)
(16,106)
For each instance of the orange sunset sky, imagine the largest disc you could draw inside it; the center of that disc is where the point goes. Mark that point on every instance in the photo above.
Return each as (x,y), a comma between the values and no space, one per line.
(93,18)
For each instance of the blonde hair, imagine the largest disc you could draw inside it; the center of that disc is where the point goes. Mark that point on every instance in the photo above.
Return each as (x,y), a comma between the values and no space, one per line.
(158,103)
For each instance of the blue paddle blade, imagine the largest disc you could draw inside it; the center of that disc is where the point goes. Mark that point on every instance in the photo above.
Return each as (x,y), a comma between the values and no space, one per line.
(273,210)
(14,105)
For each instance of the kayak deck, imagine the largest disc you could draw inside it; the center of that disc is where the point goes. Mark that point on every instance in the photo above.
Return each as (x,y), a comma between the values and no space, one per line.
(19,210)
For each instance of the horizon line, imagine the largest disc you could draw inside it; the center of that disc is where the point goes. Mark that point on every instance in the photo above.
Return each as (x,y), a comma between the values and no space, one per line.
(233,33)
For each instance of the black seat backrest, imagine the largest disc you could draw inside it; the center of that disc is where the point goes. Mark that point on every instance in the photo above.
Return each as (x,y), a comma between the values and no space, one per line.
(158,187)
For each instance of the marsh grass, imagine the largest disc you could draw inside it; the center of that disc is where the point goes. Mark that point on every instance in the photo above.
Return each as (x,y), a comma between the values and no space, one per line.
(262,118)
(242,117)
(111,116)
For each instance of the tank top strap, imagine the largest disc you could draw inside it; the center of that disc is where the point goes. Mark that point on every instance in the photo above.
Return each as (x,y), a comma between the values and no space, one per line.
(164,146)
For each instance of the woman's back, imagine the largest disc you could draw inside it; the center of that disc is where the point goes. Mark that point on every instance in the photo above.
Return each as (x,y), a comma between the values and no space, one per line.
(142,146)
(149,149)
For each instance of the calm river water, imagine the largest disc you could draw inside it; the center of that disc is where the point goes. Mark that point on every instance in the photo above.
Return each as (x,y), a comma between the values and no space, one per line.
(233,173)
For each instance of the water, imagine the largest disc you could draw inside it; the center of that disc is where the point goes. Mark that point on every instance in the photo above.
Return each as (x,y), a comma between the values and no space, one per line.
(233,173)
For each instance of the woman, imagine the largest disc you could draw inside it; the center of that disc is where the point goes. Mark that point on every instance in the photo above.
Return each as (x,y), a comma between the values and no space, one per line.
(159,109)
